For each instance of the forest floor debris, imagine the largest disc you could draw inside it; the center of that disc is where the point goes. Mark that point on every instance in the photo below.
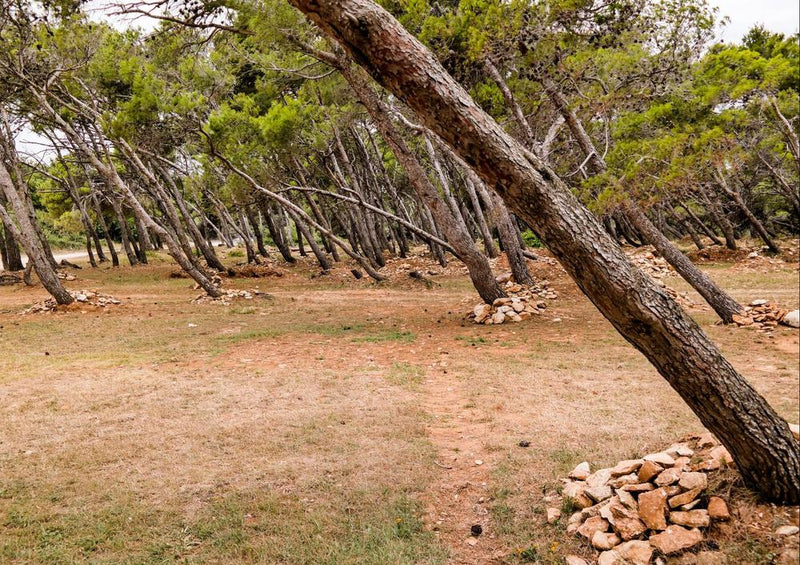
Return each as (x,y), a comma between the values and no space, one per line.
(82,298)
(665,504)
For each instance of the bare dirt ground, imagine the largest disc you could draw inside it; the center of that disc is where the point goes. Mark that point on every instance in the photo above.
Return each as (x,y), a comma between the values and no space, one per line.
(335,421)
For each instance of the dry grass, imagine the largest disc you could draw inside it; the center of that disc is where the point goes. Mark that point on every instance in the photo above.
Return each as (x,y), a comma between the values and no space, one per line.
(337,422)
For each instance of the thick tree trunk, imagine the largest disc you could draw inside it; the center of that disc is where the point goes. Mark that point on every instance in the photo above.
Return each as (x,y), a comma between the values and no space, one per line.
(759,440)
(142,240)
(28,236)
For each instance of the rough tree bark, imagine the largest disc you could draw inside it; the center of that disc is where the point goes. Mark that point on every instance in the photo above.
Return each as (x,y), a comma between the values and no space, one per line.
(759,440)
(26,234)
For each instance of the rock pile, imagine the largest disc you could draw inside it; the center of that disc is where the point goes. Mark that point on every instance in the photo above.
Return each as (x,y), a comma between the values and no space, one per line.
(650,507)
(521,303)
(656,267)
(8,279)
(64,276)
(228,295)
(762,315)
(82,297)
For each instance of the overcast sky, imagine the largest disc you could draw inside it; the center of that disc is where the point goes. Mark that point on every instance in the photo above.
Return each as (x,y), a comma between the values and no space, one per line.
(776,15)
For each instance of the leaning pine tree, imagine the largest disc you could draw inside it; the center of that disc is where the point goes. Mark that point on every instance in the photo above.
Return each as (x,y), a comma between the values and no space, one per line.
(759,440)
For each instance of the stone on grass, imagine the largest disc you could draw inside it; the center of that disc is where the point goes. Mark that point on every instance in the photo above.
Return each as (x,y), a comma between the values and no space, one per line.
(626,467)
(482,312)
(574,560)
(792,319)
(653,508)
(592,525)
(639,487)
(599,493)
(707,439)
(553,514)
(668,477)
(611,557)
(675,539)
(684,498)
(711,558)
(635,552)
(626,522)
(787,530)
(623,480)
(691,481)
(581,472)
(663,459)
(599,478)
(648,470)
(679,450)
(721,454)
(576,492)
(603,540)
(627,499)
(690,519)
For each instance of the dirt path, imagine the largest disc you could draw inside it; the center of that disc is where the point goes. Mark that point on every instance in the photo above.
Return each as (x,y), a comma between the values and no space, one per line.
(461,497)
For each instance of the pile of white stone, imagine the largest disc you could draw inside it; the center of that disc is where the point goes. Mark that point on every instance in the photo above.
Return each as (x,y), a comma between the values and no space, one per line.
(521,303)
(64,276)
(647,508)
(87,297)
(227,296)
(656,267)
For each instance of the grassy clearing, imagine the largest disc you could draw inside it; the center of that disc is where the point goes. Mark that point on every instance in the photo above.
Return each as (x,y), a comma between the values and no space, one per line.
(291,430)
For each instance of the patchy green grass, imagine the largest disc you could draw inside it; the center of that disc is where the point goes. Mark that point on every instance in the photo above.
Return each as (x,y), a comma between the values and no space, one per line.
(379,526)
(392,335)
(405,374)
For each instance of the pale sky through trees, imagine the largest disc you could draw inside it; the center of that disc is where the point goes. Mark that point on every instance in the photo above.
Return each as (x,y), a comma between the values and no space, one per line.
(776,15)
